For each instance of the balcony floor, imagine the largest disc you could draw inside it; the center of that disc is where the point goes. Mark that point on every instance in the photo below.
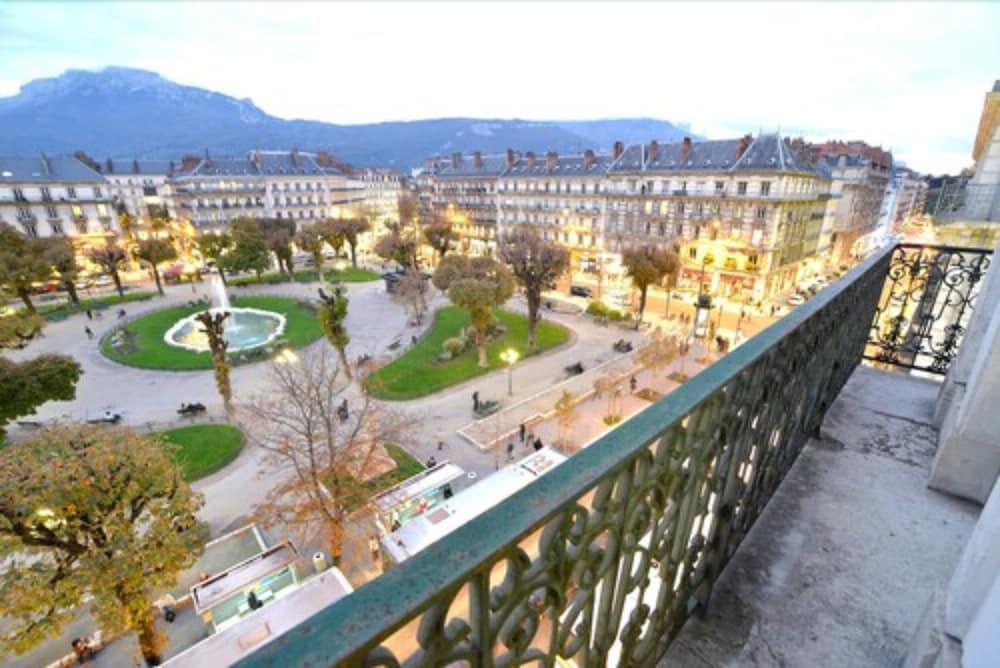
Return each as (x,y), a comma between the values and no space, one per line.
(841,565)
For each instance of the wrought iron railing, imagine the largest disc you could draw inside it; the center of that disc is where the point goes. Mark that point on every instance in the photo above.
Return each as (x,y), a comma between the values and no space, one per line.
(601,560)
(925,306)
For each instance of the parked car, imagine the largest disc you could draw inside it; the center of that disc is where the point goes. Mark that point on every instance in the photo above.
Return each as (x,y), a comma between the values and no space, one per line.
(103,280)
(796,300)
(580,291)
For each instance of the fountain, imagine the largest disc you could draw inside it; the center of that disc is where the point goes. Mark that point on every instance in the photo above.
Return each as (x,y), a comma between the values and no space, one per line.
(244,328)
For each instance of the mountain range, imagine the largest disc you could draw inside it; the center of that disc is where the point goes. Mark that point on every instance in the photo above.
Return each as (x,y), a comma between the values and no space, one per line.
(130,113)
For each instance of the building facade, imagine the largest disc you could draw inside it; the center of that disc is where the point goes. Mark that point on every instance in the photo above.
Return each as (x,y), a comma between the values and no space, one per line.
(212,192)
(47,196)
(139,186)
(465,194)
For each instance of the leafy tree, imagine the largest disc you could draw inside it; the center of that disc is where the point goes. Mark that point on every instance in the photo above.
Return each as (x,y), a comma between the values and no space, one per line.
(112,258)
(565,410)
(349,229)
(155,252)
(309,240)
(61,256)
(18,328)
(439,235)
(91,515)
(215,247)
(330,234)
(319,459)
(249,250)
(332,317)
(279,233)
(213,326)
(127,224)
(659,351)
(608,384)
(24,386)
(536,264)
(398,246)
(478,285)
(22,262)
(648,266)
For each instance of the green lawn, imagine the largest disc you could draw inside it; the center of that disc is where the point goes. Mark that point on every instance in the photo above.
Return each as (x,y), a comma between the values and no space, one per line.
(152,352)
(418,372)
(406,467)
(66,309)
(203,449)
(347,275)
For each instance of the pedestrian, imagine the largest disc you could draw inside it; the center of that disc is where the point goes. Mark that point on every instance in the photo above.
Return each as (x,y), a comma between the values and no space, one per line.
(529,440)
(90,314)
(538,444)
(633,384)
(121,313)
(475,401)
(83,651)
(90,332)
(431,463)
(510,451)
(440,445)
(373,546)
(521,432)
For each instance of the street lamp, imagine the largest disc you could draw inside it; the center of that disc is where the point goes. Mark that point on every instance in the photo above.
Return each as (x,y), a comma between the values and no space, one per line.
(510,357)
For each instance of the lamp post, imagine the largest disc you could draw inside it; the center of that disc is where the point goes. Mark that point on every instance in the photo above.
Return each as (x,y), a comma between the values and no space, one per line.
(510,357)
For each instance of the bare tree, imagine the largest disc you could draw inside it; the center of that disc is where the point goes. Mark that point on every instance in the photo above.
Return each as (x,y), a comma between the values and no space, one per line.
(411,291)
(536,264)
(319,453)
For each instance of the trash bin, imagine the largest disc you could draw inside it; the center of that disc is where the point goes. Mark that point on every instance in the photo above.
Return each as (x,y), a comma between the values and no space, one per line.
(319,562)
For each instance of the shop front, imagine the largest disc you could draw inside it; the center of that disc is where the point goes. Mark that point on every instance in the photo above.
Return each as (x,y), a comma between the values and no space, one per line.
(414,496)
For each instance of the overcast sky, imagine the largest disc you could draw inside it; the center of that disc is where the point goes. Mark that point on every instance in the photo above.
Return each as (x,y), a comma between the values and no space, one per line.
(908,76)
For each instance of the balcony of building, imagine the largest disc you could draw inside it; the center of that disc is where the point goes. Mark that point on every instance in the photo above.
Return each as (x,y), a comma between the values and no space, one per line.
(772,510)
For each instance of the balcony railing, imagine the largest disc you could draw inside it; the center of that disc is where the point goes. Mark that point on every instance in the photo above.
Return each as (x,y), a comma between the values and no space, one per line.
(925,306)
(604,558)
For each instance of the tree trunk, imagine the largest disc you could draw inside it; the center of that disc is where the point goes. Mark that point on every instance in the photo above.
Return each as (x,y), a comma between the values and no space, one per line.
(222,275)
(354,254)
(159,284)
(642,306)
(484,361)
(533,304)
(26,298)
(118,283)
(336,542)
(71,291)
(150,641)
(343,362)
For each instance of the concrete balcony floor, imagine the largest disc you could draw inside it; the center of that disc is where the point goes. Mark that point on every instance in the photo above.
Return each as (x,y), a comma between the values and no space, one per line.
(842,563)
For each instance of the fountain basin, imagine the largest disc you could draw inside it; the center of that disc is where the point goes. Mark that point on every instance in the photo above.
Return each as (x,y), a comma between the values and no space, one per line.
(245,328)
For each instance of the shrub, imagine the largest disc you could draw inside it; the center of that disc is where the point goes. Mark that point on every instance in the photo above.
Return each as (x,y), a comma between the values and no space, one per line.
(599,309)
(454,346)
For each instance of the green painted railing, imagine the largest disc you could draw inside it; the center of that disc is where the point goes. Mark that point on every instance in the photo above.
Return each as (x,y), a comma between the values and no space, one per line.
(600,561)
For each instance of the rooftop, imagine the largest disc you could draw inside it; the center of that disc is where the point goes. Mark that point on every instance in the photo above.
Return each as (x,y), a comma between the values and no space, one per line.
(46,169)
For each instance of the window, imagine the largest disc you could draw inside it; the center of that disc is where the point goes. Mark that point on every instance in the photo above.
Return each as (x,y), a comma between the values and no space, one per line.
(57,228)
(693,253)
(102,210)
(97,191)
(720,186)
(51,212)
(765,188)
(24,213)
(77,211)
(71,192)
(741,187)
(46,195)
(19,195)
(30,229)
(760,212)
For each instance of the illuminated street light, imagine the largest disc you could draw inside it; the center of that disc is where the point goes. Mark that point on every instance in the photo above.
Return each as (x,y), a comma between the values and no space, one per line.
(286,356)
(510,357)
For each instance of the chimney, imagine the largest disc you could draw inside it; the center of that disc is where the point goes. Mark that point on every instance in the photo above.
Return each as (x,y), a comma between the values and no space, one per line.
(617,150)
(477,158)
(189,162)
(652,151)
(135,166)
(109,166)
(551,158)
(170,168)
(456,160)
(294,156)
(531,159)
(511,157)
(588,158)
(685,148)
(46,167)
(743,145)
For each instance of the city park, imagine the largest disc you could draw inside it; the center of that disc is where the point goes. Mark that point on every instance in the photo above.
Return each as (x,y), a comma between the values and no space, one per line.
(258,393)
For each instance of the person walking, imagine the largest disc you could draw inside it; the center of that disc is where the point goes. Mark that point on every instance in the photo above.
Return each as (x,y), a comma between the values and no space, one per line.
(431,463)
(633,384)
(538,444)
(475,401)
(373,547)
(90,314)
(522,432)
(510,451)
(89,332)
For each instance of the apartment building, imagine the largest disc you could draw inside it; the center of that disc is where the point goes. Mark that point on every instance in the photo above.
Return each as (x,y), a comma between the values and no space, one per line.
(564,197)
(909,195)
(382,189)
(745,214)
(45,196)
(465,194)
(139,186)
(211,192)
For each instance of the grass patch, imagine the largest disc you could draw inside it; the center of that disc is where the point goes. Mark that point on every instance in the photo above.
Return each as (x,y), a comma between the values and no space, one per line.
(419,372)
(62,311)
(406,467)
(203,449)
(150,351)
(346,275)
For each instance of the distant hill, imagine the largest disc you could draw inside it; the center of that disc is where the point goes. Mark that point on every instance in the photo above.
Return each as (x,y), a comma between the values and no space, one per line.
(123,112)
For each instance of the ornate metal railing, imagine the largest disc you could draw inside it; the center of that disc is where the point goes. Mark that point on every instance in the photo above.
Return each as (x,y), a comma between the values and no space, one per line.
(925,306)
(600,561)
